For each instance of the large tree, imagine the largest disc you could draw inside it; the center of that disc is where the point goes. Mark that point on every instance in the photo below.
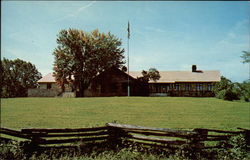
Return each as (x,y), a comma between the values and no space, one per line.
(17,76)
(80,56)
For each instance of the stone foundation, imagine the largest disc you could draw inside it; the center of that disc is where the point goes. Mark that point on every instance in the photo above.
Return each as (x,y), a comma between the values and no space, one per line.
(43,92)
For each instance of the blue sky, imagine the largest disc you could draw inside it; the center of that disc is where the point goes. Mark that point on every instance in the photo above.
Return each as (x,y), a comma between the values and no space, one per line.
(166,35)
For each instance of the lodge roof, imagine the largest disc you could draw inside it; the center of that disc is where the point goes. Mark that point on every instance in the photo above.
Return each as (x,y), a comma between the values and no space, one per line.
(166,76)
(49,78)
(183,76)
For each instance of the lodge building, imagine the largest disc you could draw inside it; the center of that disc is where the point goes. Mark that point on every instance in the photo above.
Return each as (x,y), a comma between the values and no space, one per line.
(183,83)
(114,82)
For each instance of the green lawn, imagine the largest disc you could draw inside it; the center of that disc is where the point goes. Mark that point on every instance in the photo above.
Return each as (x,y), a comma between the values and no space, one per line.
(166,112)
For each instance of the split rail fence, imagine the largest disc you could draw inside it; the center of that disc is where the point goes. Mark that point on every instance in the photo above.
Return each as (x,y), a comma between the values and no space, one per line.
(114,135)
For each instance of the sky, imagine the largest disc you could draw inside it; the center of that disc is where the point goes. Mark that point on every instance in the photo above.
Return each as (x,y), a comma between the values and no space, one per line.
(166,35)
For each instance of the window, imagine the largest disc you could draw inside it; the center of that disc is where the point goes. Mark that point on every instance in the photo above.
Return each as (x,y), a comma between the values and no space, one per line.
(164,90)
(171,86)
(177,87)
(210,87)
(157,89)
(48,85)
(199,87)
(153,88)
(167,89)
(187,87)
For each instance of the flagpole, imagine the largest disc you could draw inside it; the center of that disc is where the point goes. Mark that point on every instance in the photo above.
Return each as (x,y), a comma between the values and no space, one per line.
(128,59)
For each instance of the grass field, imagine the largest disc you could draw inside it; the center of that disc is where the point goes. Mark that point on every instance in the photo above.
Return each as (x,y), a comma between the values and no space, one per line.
(166,112)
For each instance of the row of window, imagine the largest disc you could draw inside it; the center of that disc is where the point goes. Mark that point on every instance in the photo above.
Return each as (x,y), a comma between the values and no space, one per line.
(178,87)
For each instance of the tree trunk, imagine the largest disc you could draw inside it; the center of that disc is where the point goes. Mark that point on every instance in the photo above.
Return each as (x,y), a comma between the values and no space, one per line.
(63,87)
(81,88)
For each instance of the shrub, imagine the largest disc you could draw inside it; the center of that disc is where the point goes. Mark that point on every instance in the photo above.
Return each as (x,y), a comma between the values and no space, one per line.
(228,90)
(243,90)
(221,94)
(11,150)
(230,95)
(235,148)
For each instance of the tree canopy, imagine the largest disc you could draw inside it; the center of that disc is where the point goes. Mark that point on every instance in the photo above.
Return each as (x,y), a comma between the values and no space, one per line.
(82,55)
(246,57)
(225,89)
(228,90)
(17,76)
(151,74)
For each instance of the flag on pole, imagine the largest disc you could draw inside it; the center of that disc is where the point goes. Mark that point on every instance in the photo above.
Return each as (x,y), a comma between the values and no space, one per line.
(128,30)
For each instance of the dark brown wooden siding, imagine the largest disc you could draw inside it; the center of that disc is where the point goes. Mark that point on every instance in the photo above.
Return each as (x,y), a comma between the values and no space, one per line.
(192,89)
(114,82)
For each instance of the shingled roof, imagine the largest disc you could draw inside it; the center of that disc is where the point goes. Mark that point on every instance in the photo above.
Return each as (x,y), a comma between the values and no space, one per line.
(183,76)
(166,76)
(49,78)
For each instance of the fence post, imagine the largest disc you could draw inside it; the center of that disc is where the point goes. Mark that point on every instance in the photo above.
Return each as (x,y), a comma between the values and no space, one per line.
(33,144)
(201,135)
(114,139)
(247,137)
(196,143)
(115,135)
(30,147)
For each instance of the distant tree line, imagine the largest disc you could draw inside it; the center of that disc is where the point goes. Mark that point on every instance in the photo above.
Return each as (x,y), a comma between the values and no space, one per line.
(16,77)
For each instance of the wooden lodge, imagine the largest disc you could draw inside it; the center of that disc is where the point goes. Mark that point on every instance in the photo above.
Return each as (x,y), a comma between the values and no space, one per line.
(195,83)
(114,82)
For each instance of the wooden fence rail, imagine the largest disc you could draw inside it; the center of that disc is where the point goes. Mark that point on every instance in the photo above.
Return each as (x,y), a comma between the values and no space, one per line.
(114,135)
(14,133)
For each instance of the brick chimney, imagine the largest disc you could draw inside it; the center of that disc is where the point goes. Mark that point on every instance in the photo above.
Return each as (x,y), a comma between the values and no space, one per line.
(194,68)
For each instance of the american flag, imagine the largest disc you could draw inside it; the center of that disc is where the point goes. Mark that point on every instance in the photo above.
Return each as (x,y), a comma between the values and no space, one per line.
(128,31)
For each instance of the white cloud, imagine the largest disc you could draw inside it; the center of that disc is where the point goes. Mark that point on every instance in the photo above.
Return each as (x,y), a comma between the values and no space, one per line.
(75,13)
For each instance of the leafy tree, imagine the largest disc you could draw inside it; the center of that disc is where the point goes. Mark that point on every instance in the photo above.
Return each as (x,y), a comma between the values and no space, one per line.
(245,86)
(81,56)
(17,76)
(154,74)
(226,90)
(222,85)
(151,74)
(243,89)
(246,57)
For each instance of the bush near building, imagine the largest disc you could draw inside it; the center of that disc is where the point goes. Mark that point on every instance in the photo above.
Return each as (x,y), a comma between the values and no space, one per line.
(228,90)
